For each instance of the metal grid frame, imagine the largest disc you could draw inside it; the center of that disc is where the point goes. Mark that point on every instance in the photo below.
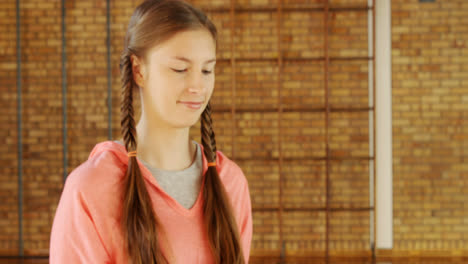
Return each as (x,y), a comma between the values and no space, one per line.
(279,60)
(326,9)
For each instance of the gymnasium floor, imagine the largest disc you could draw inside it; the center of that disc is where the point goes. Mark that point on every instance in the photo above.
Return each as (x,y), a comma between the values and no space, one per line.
(312,261)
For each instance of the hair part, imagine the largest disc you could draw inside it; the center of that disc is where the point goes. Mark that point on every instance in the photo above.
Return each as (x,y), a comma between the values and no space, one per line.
(153,22)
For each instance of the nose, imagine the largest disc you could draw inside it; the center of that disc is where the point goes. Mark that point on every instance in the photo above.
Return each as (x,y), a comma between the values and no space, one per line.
(195,84)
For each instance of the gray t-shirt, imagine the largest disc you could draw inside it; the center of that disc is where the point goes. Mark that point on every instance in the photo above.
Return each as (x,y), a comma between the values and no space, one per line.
(183,185)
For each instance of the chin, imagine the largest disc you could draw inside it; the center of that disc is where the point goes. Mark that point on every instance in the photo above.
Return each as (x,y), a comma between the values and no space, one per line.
(186,122)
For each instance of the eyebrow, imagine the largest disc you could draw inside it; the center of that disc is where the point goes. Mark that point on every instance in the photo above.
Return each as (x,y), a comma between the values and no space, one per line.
(189,61)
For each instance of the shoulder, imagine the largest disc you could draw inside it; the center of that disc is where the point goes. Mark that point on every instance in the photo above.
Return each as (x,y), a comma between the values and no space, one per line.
(98,177)
(230,172)
(102,165)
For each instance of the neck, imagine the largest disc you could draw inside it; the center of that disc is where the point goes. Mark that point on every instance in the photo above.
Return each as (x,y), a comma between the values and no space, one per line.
(164,147)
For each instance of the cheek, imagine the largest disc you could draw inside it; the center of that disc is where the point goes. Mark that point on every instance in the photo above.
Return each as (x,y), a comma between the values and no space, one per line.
(162,86)
(210,84)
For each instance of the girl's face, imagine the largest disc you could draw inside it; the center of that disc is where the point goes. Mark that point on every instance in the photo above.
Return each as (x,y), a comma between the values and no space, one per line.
(177,79)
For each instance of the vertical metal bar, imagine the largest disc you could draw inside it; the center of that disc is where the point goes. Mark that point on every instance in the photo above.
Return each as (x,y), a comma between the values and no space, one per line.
(109,72)
(233,79)
(327,147)
(374,116)
(20,129)
(280,111)
(64,93)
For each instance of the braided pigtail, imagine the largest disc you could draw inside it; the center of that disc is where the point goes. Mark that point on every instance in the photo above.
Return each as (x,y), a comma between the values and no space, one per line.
(218,214)
(139,222)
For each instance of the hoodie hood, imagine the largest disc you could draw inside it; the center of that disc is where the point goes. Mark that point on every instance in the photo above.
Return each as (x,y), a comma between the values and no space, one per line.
(111,158)
(110,155)
(121,153)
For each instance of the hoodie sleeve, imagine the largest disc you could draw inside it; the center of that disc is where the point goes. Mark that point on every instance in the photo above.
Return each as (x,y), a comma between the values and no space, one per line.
(246,223)
(74,236)
(237,187)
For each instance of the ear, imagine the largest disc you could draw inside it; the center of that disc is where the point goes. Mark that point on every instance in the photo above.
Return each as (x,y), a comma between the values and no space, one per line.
(138,70)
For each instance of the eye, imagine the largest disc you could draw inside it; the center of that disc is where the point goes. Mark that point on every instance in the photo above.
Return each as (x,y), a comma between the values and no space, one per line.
(206,72)
(179,71)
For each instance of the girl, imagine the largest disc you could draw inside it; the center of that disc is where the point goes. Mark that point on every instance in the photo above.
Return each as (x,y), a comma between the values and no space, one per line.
(155,196)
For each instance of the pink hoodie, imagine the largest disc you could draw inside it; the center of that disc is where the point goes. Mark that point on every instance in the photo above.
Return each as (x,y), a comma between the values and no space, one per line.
(86,224)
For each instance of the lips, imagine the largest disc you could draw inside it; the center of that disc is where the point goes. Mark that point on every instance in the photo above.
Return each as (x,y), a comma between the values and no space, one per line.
(191,104)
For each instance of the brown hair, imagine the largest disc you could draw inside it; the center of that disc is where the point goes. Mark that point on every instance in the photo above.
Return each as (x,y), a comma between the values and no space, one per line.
(153,22)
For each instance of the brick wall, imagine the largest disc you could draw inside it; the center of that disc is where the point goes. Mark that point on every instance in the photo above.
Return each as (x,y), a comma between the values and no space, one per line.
(8,132)
(41,121)
(430,125)
(429,117)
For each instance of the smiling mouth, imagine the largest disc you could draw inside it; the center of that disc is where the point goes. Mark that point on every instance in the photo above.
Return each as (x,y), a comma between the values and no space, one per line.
(192,105)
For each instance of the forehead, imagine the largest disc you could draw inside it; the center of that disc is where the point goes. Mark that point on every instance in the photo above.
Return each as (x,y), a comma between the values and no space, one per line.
(197,45)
